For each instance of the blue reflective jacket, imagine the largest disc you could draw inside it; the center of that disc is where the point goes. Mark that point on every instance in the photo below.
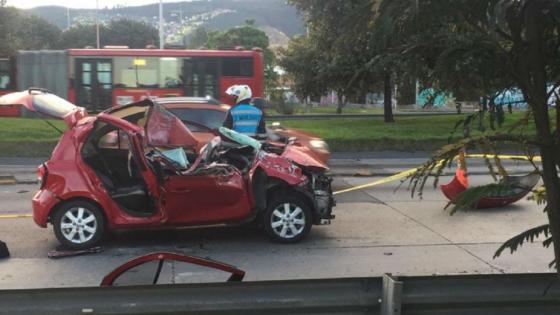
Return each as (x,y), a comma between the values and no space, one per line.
(246,119)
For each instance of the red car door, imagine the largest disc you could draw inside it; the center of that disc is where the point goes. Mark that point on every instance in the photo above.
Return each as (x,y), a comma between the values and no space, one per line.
(206,199)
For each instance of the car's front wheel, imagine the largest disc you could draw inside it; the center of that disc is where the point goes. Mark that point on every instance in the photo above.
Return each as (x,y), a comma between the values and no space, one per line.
(78,224)
(287,219)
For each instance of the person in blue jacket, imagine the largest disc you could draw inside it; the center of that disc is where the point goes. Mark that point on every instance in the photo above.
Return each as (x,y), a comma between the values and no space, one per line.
(244,117)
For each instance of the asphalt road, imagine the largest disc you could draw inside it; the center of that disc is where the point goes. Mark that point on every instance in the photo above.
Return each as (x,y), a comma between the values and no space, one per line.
(376,231)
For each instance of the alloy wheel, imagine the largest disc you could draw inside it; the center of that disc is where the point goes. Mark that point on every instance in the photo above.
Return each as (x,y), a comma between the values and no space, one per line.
(78,225)
(288,220)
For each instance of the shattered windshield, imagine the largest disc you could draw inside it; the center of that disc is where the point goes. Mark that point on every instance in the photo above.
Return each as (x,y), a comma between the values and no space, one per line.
(166,130)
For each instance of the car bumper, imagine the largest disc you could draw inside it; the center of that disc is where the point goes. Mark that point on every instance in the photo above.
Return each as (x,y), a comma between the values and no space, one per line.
(43,202)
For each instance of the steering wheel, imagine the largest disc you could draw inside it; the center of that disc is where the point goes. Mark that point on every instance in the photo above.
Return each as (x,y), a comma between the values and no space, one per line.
(201,126)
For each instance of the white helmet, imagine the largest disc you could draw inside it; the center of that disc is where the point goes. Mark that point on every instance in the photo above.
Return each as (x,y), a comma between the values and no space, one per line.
(240,92)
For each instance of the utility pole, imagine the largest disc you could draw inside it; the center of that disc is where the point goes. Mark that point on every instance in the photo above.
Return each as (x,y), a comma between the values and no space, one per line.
(67,17)
(97,22)
(161,35)
(417,87)
(181,14)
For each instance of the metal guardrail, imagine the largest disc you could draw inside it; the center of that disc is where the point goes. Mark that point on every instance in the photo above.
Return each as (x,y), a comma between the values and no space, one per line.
(441,295)
(479,294)
(346,296)
(352,116)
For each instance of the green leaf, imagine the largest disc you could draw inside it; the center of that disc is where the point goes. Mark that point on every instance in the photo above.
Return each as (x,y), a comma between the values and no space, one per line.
(528,236)
(470,197)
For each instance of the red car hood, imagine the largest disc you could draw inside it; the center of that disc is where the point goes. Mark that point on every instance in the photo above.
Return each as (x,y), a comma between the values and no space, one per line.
(303,156)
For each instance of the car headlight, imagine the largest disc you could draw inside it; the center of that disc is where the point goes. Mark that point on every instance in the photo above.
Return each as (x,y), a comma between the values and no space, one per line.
(319,145)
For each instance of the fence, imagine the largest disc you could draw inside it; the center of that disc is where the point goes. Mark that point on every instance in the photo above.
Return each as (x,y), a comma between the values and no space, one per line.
(442,295)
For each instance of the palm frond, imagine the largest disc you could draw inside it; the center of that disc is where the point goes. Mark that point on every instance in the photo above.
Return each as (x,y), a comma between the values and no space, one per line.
(538,195)
(528,236)
(470,197)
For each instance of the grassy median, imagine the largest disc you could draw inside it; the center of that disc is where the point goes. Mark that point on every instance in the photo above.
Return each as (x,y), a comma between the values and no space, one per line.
(25,137)
(418,133)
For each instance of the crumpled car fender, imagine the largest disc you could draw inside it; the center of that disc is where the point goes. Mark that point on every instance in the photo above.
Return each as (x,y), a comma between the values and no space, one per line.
(279,167)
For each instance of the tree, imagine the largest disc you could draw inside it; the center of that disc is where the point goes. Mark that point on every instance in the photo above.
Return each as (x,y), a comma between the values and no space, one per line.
(81,36)
(22,31)
(303,64)
(247,36)
(198,38)
(343,33)
(488,45)
(121,32)
(131,33)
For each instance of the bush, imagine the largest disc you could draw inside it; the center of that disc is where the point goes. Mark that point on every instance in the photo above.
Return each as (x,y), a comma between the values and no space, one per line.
(285,108)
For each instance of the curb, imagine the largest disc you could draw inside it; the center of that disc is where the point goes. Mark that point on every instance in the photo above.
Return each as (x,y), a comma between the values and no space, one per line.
(386,174)
(7,180)
(11,179)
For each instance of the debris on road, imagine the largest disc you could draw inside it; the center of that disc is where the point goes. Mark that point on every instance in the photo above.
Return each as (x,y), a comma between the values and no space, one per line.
(4,253)
(71,253)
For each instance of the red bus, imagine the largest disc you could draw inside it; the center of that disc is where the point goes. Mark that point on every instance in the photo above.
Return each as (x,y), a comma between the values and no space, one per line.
(7,85)
(99,78)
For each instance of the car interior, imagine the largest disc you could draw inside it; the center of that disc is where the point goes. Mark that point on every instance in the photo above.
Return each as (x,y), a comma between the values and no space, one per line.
(107,151)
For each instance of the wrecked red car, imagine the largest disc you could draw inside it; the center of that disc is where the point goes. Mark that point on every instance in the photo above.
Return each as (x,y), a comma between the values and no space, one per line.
(136,166)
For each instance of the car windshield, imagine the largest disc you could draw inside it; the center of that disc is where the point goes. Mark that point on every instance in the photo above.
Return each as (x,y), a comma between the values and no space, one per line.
(210,118)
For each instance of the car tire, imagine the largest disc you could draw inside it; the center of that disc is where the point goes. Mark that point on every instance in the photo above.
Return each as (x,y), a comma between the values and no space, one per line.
(287,219)
(78,224)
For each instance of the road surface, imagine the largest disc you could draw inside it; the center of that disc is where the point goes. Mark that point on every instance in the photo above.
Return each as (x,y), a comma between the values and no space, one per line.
(376,231)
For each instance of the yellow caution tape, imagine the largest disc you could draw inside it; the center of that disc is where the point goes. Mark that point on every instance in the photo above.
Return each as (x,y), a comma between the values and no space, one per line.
(379,182)
(15,216)
(505,157)
(411,171)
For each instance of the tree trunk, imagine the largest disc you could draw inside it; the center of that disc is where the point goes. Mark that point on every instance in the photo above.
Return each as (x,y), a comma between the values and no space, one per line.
(340,104)
(388,99)
(535,91)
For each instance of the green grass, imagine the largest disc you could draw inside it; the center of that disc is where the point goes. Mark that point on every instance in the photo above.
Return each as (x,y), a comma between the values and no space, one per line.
(24,137)
(302,110)
(406,134)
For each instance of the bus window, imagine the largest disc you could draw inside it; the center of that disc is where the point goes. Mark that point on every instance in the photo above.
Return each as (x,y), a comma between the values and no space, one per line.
(237,67)
(201,77)
(147,72)
(5,74)
(169,72)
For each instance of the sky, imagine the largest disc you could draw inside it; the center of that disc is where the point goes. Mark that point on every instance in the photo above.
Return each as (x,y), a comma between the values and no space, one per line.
(26,4)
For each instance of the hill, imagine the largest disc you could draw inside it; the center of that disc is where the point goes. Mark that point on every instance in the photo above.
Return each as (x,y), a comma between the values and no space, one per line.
(273,16)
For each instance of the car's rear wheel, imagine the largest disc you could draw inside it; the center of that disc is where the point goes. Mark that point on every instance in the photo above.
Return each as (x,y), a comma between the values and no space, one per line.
(287,219)
(78,224)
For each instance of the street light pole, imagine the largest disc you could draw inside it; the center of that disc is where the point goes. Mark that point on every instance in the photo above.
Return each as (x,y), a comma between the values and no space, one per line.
(67,17)
(161,36)
(97,22)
